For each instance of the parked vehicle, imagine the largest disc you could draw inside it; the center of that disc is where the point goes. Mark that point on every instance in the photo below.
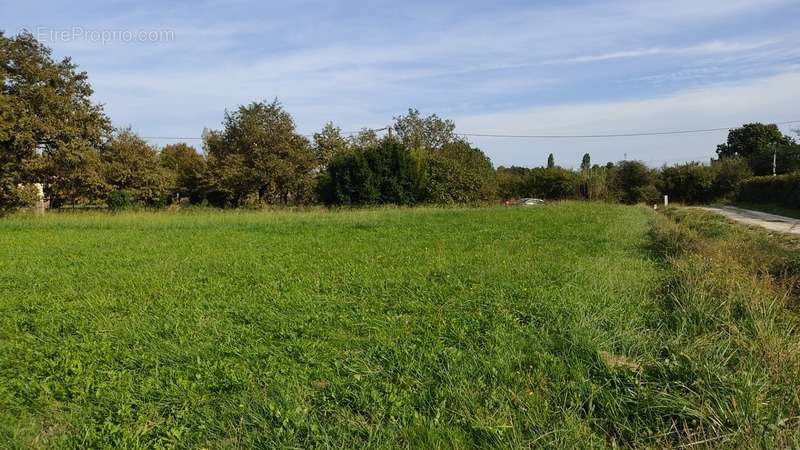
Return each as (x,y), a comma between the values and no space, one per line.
(530,202)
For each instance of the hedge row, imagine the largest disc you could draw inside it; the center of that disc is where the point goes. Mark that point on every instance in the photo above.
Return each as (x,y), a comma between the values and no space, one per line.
(783,190)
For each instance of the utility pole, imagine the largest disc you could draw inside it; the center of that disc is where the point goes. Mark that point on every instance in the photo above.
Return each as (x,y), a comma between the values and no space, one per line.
(774,161)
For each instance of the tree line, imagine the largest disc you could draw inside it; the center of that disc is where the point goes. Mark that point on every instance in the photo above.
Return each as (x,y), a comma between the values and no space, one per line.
(51,133)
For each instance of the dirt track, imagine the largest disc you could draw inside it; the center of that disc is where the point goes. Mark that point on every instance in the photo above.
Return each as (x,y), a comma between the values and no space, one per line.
(771,222)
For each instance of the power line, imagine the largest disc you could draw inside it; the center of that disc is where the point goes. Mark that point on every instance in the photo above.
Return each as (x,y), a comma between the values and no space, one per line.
(535,136)
(172,138)
(177,138)
(609,135)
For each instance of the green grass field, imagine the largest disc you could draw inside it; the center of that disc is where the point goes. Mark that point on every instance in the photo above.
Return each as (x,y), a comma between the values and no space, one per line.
(409,328)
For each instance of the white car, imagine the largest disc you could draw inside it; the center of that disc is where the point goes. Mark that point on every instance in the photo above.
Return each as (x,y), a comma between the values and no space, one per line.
(530,202)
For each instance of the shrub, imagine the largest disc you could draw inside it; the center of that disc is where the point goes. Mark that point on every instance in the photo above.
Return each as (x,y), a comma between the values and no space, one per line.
(393,172)
(382,173)
(689,183)
(511,181)
(647,194)
(698,183)
(553,183)
(456,173)
(783,190)
(348,180)
(119,200)
(729,173)
(634,182)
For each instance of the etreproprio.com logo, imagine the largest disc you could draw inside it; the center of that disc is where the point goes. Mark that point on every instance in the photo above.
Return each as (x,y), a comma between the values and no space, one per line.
(101,36)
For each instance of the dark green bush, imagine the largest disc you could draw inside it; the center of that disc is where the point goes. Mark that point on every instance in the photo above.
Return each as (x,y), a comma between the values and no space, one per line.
(379,174)
(119,200)
(783,190)
(348,181)
(393,172)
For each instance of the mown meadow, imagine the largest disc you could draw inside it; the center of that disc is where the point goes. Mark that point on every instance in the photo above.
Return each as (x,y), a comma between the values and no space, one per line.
(560,325)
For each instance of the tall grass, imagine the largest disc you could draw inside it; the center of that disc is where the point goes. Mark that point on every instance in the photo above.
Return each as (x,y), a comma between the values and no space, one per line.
(572,325)
(731,349)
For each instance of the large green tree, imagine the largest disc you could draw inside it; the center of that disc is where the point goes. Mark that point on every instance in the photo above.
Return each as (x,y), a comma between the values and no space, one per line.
(132,165)
(49,128)
(750,138)
(761,144)
(73,174)
(259,157)
(367,137)
(449,169)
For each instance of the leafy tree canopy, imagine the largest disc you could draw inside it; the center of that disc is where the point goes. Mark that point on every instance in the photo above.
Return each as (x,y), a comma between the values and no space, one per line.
(258,156)
(132,165)
(457,173)
(761,144)
(751,138)
(49,127)
(328,143)
(186,169)
(367,137)
(381,173)
(429,133)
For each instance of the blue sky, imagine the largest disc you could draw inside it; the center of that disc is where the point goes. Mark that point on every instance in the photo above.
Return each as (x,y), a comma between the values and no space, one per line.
(508,67)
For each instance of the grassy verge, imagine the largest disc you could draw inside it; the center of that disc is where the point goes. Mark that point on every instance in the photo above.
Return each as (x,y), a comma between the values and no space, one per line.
(731,348)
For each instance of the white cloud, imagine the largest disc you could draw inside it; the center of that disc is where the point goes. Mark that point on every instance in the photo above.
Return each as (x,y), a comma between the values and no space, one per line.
(713,47)
(360,70)
(767,99)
